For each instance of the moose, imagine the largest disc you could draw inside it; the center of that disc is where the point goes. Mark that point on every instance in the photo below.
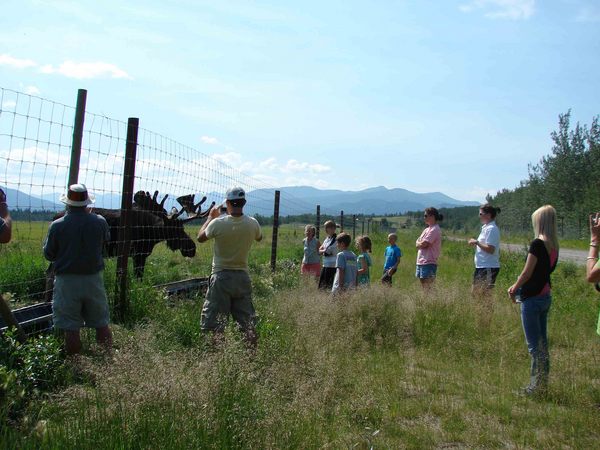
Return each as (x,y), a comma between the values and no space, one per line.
(150,224)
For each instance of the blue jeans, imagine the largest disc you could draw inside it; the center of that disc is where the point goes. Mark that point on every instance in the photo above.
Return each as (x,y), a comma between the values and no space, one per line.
(534,316)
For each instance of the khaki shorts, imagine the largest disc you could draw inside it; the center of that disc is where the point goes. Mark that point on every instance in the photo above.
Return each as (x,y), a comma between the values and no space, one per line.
(79,301)
(229,292)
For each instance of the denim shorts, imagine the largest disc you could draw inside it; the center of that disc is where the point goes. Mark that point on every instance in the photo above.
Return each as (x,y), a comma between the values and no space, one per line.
(426,271)
(79,301)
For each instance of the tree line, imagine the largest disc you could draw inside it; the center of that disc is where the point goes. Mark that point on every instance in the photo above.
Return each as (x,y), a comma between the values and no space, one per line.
(568,178)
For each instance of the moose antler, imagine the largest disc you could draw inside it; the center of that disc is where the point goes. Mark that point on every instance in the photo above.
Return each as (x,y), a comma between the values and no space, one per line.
(194,211)
(147,203)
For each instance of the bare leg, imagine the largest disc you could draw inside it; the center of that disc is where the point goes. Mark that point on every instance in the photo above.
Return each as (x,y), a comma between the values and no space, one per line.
(104,337)
(72,342)
(426,283)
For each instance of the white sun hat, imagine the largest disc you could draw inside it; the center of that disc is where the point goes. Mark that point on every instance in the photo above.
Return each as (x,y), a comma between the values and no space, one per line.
(77,195)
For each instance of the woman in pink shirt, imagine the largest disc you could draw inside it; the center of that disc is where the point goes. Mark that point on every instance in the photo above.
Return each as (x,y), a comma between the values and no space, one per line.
(429,246)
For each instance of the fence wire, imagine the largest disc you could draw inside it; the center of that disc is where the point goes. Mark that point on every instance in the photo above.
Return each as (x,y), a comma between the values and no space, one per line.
(35,152)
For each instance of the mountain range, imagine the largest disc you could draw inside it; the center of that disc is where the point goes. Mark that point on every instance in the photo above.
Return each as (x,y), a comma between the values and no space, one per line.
(294,200)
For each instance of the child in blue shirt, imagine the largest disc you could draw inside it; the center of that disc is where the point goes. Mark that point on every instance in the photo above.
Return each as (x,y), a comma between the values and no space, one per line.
(345,264)
(392,259)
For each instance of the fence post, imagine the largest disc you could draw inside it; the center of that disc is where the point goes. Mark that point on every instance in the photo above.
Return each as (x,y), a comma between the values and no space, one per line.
(318,222)
(363,227)
(275,230)
(73,172)
(341,221)
(353,226)
(368,226)
(77,137)
(125,219)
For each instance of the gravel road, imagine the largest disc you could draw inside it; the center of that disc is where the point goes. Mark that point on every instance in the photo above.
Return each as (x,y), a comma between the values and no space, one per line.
(566,254)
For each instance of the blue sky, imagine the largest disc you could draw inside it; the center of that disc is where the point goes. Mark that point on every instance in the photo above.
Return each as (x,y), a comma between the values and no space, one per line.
(451,96)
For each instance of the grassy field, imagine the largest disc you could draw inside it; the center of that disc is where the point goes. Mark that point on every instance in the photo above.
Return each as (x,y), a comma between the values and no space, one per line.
(384,368)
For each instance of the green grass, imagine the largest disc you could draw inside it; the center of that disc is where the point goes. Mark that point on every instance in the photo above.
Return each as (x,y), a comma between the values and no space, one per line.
(385,368)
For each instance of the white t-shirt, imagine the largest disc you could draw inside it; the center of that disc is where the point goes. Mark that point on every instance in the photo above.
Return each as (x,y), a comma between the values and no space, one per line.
(233,238)
(490,235)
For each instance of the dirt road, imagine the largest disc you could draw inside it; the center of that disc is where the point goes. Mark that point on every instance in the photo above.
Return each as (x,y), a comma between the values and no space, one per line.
(566,254)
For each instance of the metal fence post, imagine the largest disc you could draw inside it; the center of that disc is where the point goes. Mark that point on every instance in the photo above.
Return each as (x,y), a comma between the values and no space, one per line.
(275,230)
(125,219)
(318,221)
(341,221)
(73,171)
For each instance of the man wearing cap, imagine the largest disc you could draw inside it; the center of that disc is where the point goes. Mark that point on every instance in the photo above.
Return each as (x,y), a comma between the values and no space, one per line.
(230,290)
(74,246)
(5,220)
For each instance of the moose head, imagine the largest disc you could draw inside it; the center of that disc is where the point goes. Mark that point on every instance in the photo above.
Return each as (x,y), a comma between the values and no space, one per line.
(172,224)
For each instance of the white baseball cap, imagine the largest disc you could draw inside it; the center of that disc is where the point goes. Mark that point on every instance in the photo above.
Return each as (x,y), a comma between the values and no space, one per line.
(235,193)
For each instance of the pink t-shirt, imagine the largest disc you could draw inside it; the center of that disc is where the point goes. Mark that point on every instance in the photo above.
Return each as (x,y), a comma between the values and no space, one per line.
(430,255)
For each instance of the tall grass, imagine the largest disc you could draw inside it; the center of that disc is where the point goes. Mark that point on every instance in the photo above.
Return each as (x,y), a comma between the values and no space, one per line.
(382,368)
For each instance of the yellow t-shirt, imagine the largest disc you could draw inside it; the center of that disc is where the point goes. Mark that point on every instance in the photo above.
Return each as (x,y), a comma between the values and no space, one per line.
(233,238)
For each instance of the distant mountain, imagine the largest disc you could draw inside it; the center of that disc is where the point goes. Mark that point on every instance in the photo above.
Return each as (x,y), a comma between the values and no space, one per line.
(294,200)
(20,200)
(376,200)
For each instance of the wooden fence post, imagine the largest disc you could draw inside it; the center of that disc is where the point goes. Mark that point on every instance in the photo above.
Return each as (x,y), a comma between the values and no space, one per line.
(77,137)
(318,221)
(341,221)
(353,226)
(363,226)
(73,172)
(125,219)
(275,230)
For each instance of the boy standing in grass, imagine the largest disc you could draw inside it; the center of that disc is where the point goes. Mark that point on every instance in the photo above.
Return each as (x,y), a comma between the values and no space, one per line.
(392,259)
(345,265)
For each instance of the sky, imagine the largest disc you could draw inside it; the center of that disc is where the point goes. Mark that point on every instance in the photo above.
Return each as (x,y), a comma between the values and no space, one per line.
(450,96)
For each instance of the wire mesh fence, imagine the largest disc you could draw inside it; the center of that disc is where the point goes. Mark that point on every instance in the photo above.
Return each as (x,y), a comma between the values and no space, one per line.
(180,183)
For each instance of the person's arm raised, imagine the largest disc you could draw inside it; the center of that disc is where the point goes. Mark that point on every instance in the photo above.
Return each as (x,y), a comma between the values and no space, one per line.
(213,214)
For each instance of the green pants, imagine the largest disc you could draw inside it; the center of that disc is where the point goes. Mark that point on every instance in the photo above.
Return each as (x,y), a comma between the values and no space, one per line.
(229,292)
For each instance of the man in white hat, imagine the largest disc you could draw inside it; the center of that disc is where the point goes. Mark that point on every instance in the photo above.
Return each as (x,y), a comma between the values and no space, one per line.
(230,290)
(74,246)
(5,220)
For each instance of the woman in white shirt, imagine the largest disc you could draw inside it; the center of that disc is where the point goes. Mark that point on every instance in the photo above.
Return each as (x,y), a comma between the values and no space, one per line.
(487,251)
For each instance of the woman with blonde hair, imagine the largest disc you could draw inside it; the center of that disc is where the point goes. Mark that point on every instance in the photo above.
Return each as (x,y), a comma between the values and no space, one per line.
(533,290)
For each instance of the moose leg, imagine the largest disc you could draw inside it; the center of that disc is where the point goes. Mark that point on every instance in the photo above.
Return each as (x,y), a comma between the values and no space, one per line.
(49,284)
(139,262)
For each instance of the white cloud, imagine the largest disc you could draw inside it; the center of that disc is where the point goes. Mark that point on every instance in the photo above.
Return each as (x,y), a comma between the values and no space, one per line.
(32,90)
(69,69)
(209,140)
(296,166)
(16,63)
(86,70)
(272,172)
(501,9)
(9,104)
